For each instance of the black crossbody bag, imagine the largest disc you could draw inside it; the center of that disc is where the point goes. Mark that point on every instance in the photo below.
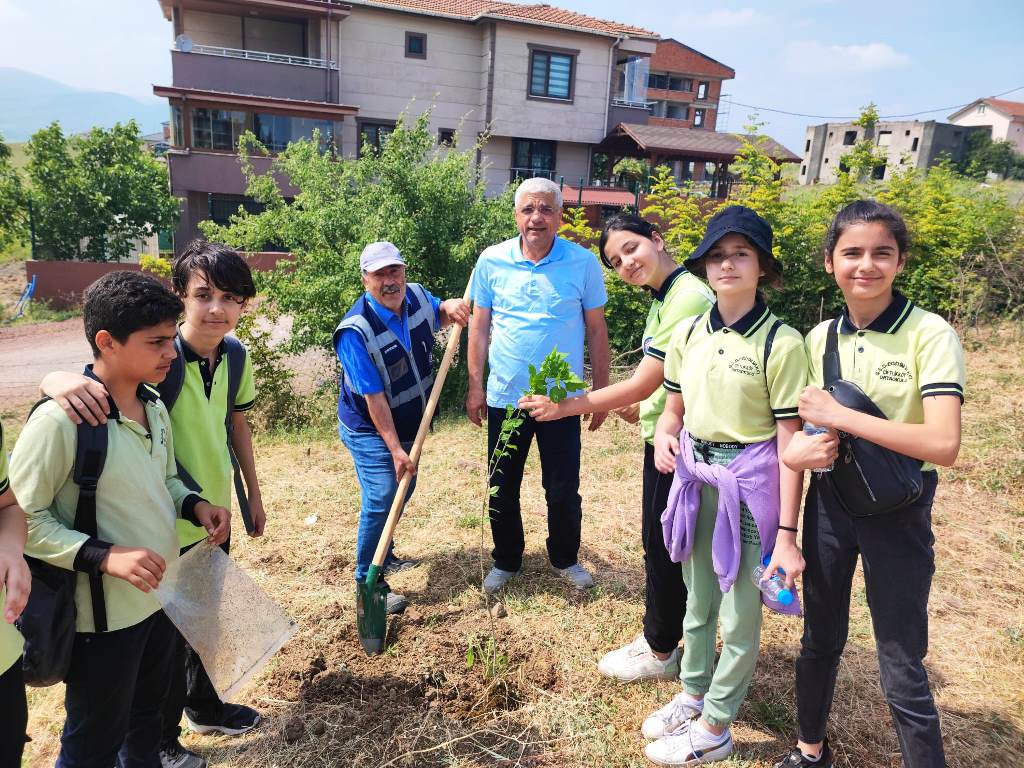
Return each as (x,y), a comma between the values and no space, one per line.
(866,478)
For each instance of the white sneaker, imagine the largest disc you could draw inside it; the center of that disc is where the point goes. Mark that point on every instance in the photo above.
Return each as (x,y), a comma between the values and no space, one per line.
(496,579)
(688,746)
(671,718)
(636,661)
(577,575)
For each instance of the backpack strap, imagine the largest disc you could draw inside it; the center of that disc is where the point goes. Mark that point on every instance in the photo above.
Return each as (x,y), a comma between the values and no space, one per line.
(236,353)
(831,370)
(689,333)
(90,456)
(173,382)
(769,340)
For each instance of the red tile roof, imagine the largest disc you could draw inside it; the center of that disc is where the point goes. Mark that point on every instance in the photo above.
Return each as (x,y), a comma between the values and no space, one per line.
(535,13)
(1011,108)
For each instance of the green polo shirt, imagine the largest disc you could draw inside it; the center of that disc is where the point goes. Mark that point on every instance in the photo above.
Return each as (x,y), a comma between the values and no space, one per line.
(682,295)
(727,393)
(10,639)
(904,356)
(139,496)
(200,438)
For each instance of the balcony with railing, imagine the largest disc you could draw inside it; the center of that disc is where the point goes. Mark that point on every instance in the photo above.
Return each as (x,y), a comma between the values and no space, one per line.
(629,91)
(233,70)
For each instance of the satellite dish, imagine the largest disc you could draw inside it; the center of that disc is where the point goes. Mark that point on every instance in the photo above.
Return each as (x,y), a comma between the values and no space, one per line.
(184,43)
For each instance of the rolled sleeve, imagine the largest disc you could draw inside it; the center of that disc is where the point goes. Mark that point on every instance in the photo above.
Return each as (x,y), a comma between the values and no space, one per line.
(361,373)
(941,369)
(786,373)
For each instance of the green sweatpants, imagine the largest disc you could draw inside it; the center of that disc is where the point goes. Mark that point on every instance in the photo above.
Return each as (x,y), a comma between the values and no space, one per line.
(724,685)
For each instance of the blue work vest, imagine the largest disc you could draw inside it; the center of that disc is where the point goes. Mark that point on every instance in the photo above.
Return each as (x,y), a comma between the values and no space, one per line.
(407,374)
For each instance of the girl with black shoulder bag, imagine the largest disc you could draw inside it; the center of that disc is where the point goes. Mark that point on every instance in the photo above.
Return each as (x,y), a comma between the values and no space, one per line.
(882,411)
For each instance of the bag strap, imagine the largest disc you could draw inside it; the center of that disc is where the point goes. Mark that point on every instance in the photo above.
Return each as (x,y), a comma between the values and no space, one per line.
(173,382)
(689,333)
(769,340)
(830,367)
(236,353)
(90,456)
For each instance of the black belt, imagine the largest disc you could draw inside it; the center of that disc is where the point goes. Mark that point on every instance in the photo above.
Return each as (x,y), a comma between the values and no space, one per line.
(704,447)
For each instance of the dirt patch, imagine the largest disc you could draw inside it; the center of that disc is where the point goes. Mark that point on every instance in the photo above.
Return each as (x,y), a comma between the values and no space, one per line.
(29,352)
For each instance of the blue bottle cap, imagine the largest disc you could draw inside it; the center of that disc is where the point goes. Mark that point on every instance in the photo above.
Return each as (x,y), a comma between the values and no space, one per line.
(785,597)
(765,560)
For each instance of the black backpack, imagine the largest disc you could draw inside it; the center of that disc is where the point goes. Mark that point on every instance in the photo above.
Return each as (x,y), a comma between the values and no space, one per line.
(866,478)
(48,621)
(169,390)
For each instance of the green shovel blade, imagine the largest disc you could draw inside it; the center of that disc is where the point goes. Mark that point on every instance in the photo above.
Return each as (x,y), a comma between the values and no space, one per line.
(371,612)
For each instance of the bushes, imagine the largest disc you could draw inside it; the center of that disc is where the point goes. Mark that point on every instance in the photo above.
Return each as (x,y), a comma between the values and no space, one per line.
(427,201)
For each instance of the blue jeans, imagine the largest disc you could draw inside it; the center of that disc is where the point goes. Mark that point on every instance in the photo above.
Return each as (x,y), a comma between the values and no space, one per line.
(377,484)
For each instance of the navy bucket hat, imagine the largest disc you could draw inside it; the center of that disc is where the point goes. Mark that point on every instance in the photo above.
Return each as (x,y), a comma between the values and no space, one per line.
(735,219)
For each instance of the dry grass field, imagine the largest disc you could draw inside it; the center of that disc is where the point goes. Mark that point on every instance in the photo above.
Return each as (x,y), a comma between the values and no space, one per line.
(532,696)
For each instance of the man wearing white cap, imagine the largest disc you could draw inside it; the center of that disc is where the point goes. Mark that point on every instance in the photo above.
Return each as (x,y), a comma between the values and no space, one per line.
(385,344)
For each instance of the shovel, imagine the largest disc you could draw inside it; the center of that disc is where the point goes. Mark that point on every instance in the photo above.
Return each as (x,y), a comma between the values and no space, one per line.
(371,594)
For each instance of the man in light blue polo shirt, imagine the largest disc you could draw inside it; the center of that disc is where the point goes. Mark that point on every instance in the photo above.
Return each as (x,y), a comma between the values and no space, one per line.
(533,293)
(385,344)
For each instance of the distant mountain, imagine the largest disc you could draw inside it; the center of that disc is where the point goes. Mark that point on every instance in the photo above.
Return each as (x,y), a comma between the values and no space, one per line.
(29,102)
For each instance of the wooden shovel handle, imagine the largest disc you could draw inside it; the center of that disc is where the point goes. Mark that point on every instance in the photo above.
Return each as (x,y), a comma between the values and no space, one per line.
(421,434)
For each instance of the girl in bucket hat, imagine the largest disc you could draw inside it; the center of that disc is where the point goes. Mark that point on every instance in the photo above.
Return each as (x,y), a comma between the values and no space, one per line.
(733,377)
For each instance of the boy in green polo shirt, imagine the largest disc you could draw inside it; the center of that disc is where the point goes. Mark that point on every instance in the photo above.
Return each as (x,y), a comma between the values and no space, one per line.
(215,284)
(118,678)
(15,582)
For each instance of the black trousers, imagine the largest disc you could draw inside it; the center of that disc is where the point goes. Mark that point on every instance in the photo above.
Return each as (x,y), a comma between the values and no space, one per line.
(14,718)
(115,695)
(559,446)
(665,597)
(190,687)
(896,550)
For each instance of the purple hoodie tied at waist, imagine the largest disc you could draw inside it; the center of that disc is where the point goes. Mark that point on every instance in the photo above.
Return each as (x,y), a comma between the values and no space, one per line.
(752,477)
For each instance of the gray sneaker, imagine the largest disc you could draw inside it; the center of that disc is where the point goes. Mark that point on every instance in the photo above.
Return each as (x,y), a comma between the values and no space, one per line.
(173,755)
(577,575)
(395,603)
(496,579)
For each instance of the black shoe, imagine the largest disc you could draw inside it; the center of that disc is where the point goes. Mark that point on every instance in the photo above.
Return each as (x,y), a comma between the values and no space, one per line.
(234,719)
(797,759)
(396,603)
(399,564)
(173,755)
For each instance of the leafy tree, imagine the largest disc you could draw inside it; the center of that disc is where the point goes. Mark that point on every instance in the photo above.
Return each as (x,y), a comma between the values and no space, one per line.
(12,213)
(632,169)
(680,218)
(984,155)
(94,195)
(429,203)
(626,310)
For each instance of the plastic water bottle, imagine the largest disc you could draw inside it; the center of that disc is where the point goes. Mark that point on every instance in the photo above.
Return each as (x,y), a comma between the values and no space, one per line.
(775,588)
(811,429)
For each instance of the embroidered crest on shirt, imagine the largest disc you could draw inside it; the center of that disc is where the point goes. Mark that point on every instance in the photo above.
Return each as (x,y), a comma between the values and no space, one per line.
(894,370)
(746,365)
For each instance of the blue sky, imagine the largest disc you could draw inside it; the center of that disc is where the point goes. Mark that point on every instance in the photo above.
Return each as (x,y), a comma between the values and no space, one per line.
(820,57)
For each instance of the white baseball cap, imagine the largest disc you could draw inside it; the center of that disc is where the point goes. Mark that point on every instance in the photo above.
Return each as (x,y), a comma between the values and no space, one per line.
(379,255)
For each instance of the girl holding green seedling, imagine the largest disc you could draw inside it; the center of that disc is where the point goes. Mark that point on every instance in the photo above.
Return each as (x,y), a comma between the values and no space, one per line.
(635,250)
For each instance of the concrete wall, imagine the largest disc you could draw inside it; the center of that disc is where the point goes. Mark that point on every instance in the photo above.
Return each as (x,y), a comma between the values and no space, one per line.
(582,120)
(894,139)
(376,75)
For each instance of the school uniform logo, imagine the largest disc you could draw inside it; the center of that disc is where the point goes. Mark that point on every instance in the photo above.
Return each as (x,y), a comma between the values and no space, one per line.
(163,435)
(894,370)
(746,365)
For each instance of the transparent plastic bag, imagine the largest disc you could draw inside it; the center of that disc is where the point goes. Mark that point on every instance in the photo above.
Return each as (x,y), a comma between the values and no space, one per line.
(224,615)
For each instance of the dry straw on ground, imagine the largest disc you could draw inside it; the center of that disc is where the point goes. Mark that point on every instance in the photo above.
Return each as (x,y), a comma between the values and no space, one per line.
(543,704)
